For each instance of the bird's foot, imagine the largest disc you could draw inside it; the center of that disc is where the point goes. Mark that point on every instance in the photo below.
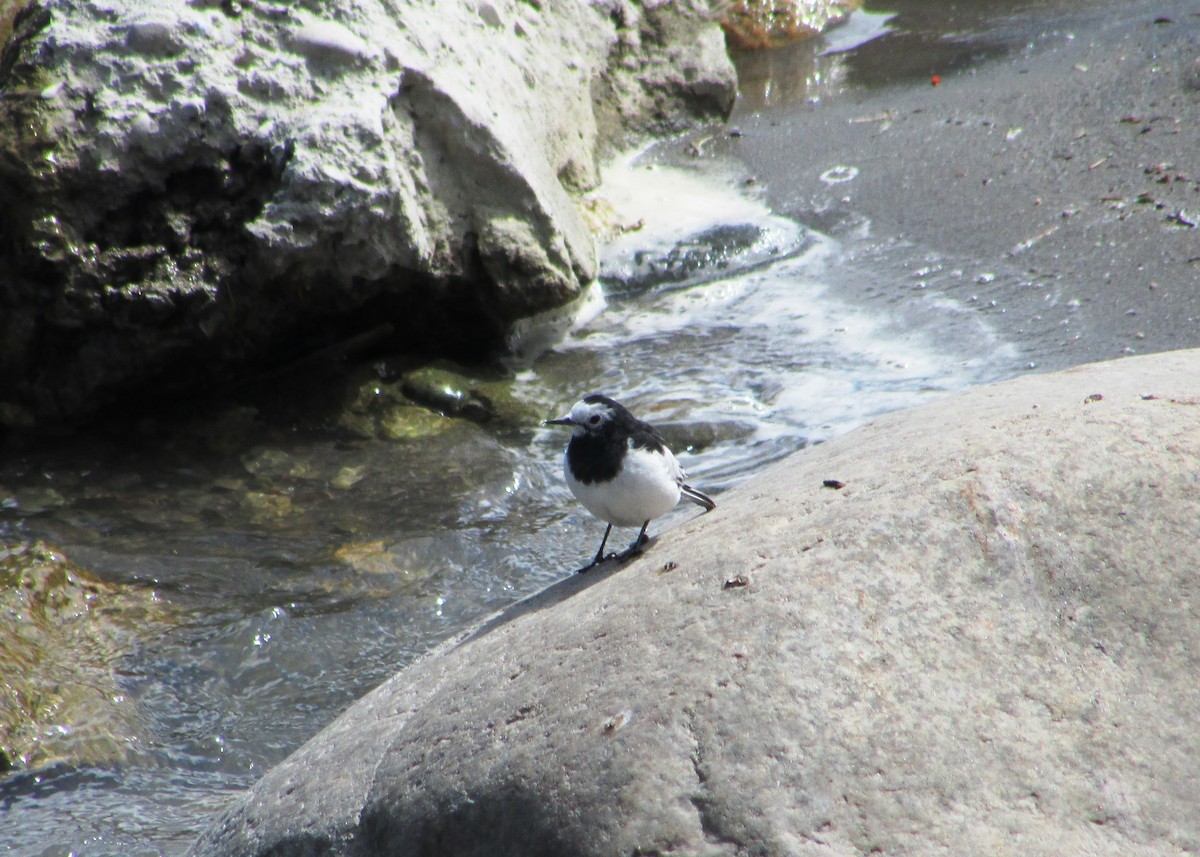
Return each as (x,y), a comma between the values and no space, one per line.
(635,549)
(597,560)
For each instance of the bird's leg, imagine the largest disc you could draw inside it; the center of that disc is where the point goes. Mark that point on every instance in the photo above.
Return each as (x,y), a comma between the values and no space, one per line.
(635,548)
(600,557)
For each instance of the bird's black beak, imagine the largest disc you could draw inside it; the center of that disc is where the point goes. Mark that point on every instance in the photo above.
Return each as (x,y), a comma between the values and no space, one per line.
(561,421)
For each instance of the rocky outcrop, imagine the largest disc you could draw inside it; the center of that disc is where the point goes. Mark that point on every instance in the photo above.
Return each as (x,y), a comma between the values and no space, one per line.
(195,186)
(971,627)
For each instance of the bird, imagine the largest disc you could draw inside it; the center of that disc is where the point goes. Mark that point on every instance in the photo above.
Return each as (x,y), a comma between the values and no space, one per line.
(621,470)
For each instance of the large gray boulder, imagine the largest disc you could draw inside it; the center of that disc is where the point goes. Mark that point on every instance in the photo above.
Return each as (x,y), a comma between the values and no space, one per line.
(986,641)
(190,185)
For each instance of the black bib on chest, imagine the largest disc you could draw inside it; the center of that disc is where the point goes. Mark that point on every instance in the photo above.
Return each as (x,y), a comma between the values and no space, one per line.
(598,456)
(594,458)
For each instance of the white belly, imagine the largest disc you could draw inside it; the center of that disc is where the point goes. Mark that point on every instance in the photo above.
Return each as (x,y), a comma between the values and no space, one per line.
(646,487)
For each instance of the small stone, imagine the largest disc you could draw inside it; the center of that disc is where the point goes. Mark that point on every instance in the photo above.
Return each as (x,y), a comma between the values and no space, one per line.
(348,477)
(331,42)
(154,38)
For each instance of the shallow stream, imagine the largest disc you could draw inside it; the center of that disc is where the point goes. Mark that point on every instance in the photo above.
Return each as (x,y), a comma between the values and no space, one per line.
(304,560)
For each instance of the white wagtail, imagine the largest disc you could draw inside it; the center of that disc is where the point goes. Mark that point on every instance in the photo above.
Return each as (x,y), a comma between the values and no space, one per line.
(620,469)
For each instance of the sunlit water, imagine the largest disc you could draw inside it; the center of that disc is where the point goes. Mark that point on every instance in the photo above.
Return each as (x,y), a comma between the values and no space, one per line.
(720,321)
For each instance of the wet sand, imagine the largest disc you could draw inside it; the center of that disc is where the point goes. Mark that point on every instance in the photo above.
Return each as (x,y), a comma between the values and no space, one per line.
(1051,177)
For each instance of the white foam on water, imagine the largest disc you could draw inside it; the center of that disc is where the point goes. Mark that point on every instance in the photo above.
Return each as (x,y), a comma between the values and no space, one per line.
(661,207)
(771,343)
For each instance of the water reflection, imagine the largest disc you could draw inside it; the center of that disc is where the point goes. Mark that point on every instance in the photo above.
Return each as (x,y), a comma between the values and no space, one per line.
(809,70)
(892,42)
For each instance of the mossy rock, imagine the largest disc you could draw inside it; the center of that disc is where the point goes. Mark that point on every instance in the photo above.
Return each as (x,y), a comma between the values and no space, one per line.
(456,391)
(375,407)
(62,636)
(408,402)
(383,567)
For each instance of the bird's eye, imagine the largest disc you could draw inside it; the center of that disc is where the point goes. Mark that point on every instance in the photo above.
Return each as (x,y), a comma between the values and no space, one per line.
(594,420)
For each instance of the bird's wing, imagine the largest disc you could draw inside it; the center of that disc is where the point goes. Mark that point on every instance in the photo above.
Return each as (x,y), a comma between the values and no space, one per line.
(645,436)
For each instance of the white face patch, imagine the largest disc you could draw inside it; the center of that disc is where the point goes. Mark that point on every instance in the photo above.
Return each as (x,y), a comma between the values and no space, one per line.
(585,417)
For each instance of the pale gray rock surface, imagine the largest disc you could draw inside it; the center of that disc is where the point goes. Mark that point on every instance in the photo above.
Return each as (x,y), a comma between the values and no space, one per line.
(985,642)
(192,186)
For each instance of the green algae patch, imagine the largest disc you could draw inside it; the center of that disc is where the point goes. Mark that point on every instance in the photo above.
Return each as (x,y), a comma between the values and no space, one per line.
(456,391)
(63,637)
(374,408)
(406,402)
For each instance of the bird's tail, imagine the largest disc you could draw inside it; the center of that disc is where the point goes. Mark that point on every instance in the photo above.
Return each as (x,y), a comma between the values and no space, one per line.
(698,497)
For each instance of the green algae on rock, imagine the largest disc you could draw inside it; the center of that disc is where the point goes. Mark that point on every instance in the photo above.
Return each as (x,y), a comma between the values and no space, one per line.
(407,401)
(373,407)
(456,391)
(64,633)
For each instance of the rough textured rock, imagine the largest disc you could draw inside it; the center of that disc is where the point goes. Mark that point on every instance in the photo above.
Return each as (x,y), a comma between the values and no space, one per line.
(986,641)
(191,186)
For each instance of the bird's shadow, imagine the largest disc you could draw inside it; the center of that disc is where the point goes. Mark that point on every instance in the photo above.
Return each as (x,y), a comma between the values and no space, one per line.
(555,593)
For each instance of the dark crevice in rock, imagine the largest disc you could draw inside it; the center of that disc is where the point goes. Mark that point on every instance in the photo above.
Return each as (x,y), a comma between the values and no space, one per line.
(198,208)
(77,363)
(702,799)
(159,298)
(28,22)
(107,321)
(128,302)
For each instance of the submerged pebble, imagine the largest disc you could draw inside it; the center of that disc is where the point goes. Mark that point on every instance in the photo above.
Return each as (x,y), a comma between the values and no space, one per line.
(62,644)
